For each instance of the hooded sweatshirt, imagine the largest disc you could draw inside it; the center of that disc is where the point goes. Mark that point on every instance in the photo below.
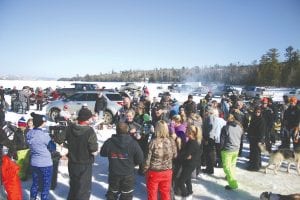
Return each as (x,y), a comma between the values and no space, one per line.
(123,153)
(231,136)
(81,142)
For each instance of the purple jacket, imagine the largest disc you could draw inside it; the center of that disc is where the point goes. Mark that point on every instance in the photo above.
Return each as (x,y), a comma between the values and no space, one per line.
(179,130)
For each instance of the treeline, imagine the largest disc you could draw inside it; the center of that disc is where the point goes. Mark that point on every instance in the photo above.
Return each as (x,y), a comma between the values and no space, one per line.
(269,71)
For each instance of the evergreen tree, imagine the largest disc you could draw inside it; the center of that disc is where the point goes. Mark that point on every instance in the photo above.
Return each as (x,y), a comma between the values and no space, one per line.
(269,69)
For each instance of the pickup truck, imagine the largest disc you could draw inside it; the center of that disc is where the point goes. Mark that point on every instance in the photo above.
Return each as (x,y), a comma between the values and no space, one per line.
(256,92)
(66,92)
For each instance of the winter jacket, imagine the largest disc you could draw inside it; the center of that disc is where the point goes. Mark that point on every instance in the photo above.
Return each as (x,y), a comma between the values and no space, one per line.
(164,116)
(137,127)
(179,131)
(10,179)
(2,117)
(192,148)
(257,129)
(19,140)
(101,104)
(231,136)
(160,155)
(267,114)
(291,117)
(6,135)
(217,124)
(81,142)
(38,141)
(189,107)
(123,153)
(39,96)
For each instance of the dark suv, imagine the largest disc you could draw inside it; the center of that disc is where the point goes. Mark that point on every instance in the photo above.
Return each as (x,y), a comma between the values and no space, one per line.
(226,90)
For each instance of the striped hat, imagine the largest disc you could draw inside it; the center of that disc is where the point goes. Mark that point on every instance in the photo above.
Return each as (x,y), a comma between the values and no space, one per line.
(22,122)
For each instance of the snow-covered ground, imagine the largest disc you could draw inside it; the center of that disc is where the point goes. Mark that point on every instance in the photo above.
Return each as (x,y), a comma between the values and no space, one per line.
(206,187)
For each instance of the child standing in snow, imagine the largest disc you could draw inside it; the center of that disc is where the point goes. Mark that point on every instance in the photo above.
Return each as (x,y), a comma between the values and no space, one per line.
(41,161)
(21,148)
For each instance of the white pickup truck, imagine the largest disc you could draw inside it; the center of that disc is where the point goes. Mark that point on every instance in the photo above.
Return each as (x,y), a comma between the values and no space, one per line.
(258,92)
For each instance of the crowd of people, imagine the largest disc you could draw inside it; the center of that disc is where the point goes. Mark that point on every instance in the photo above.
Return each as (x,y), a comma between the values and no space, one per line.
(168,141)
(21,100)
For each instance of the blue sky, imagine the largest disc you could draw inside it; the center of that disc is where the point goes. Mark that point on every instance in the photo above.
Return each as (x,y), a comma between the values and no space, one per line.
(62,38)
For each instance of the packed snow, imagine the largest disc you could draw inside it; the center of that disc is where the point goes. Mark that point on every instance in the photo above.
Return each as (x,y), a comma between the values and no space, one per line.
(206,187)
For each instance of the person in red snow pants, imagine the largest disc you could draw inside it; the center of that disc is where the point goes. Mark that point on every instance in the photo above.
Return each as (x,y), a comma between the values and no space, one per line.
(161,180)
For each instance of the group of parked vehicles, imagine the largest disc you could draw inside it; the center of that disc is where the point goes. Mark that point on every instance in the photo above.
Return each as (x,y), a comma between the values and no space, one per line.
(247,92)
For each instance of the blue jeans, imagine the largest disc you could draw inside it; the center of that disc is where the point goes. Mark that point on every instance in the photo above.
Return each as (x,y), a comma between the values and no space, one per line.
(41,181)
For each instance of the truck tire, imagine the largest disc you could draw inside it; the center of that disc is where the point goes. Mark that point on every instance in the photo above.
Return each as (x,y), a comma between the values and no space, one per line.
(53,114)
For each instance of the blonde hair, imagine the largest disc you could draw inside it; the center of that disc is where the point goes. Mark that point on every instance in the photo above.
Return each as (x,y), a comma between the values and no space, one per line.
(196,132)
(231,118)
(161,129)
(131,111)
(179,118)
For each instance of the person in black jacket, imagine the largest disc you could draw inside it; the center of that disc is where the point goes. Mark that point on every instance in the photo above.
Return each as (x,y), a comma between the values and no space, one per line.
(100,106)
(123,153)
(256,135)
(21,148)
(189,157)
(291,121)
(268,115)
(2,96)
(190,106)
(82,147)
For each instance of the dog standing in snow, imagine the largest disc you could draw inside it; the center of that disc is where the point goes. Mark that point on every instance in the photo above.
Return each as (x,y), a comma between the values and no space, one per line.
(280,155)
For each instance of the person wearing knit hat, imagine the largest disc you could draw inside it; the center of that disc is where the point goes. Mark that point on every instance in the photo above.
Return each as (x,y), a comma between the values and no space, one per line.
(38,120)
(84,114)
(40,159)
(20,148)
(22,122)
(82,147)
